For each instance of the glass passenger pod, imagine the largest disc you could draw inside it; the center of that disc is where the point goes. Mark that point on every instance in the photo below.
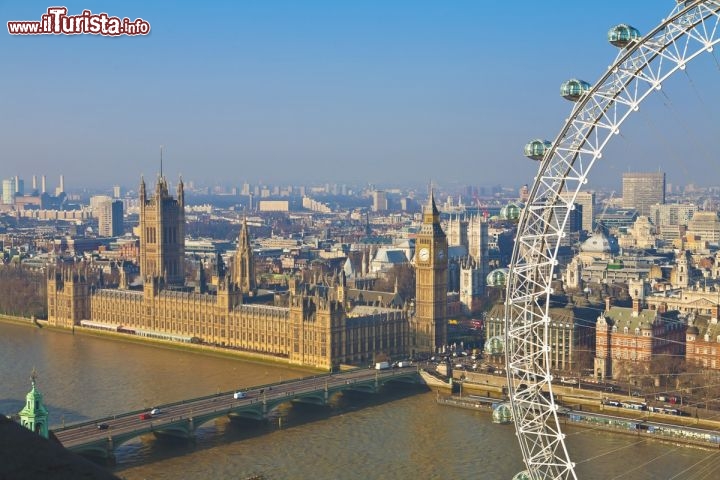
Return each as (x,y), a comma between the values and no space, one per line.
(497,277)
(536,149)
(574,89)
(502,413)
(524,475)
(622,35)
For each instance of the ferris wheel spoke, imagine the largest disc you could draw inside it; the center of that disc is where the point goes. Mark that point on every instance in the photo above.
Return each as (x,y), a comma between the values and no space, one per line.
(639,70)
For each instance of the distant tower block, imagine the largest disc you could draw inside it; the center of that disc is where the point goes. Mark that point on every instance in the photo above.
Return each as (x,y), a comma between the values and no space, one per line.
(116,191)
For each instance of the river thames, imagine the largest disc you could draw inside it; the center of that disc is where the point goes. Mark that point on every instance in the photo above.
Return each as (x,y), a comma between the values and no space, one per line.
(400,434)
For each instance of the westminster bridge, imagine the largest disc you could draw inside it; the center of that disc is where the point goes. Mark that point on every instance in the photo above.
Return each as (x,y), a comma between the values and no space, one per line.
(181,419)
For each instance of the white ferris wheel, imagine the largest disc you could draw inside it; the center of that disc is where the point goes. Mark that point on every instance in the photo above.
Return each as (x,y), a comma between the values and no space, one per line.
(642,65)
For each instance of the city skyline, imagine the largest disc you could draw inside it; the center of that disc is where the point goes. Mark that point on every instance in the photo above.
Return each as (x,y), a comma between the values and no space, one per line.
(281,93)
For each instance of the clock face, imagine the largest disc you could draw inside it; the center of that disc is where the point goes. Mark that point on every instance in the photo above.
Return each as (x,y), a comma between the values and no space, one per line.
(424,254)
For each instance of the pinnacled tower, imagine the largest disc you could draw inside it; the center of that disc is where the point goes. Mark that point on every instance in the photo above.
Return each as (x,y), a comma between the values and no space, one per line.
(68,295)
(162,233)
(244,263)
(34,415)
(431,280)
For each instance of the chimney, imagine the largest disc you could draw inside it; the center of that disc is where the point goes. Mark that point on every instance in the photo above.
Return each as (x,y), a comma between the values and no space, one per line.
(34,182)
(636,308)
(714,314)
(608,301)
(662,307)
(42,184)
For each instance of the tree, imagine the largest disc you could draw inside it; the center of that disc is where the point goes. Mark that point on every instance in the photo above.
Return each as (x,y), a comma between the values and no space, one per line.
(405,276)
(25,292)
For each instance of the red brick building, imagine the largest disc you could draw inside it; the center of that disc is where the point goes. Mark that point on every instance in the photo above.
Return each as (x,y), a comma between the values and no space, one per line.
(628,339)
(703,340)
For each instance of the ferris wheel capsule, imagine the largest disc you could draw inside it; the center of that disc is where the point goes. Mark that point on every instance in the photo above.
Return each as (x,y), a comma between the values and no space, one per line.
(622,35)
(574,89)
(536,149)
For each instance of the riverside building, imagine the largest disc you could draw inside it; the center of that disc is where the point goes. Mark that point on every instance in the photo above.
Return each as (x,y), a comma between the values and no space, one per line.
(319,324)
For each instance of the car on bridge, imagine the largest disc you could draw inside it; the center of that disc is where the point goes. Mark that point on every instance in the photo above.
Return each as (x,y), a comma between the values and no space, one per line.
(103,426)
(145,416)
(156,411)
(239,395)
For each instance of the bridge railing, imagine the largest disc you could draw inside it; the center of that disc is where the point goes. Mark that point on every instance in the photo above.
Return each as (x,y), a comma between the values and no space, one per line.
(383,373)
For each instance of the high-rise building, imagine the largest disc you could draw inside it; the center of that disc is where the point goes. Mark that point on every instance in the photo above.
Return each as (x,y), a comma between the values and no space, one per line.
(587,201)
(8,191)
(380,202)
(162,233)
(110,218)
(643,190)
(116,191)
(431,282)
(96,201)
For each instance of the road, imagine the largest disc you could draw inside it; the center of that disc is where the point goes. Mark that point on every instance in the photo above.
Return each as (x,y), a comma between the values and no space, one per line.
(89,432)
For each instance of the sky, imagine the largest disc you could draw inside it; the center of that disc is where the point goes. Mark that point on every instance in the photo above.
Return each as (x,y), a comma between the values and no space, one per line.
(384,92)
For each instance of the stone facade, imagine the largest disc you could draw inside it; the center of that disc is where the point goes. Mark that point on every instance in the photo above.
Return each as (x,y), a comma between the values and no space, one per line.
(312,325)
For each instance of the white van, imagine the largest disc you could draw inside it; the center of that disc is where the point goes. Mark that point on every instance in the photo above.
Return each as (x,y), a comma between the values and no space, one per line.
(239,395)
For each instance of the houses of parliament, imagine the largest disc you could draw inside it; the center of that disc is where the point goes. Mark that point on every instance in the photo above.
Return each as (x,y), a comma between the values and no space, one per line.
(323,323)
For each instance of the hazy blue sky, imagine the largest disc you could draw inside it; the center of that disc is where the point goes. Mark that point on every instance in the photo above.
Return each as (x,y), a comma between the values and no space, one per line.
(385,92)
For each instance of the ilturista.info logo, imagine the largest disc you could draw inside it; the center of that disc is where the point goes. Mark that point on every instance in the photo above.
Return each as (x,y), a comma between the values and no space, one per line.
(57,22)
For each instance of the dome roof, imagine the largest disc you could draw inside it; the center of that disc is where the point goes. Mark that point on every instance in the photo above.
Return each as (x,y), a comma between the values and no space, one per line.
(599,242)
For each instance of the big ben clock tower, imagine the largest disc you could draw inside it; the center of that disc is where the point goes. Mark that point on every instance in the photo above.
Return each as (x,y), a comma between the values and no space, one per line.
(431,266)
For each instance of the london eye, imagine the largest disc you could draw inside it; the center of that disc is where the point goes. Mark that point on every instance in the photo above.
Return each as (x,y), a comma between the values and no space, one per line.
(642,64)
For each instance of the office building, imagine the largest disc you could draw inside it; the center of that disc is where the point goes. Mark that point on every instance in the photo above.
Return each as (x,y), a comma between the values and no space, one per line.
(8,191)
(705,225)
(643,190)
(110,218)
(380,202)
(587,201)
